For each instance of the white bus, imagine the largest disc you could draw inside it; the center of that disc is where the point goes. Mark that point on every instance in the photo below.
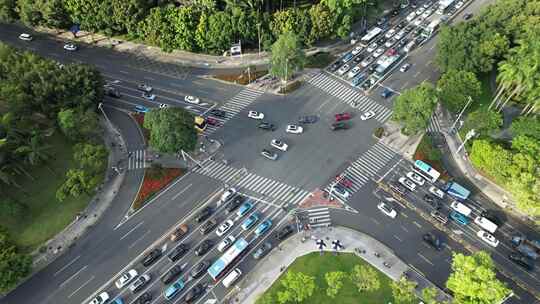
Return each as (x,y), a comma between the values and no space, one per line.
(426,171)
(372,34)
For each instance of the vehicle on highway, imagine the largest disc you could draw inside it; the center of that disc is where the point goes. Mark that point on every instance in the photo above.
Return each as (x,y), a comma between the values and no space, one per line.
(485,224)
(390,33)
(427,4)
(262,251)
(459,4)
(70,47)
(433,240)
(367,61)
(294,129)
(101,298)
(199,269)
(461,208)
(390,42)
(26,37)
(488,238)
(269,154)
(263,227)
(339,126)
(378,52)
(372,47)
(343,69)
(194,293)
(387,210)
(367,115)
(436,191)
(443,219)
(125,278)
(141,109)
(386,93)
(459,218)
(250,221)
(218,113)
(307,119)
(207,226)
(334,66)
(256,115)
(139,283)
(223,228)
(418,22)
(284,232)
(226,243)
(111,91)
(340,191)
(522,260)
(467,16)
(144,87)
(178,252)
(174,289)
(419,11)
(148,96)
(119,300)
(179,232)
(358,79)
(231,277)
(427,13)
(432,202)
(353,72)
(347,58)
(192,99)
(244,209)
(234,204)
(278,144)
(266,126)
(145,298)
(227,195)
(204,247)
(404,68)
(415,178)
(151,257)
(171,274)
(356,50)
(342,116)
(411,16)
(400,34)
(407,183)
(205,213)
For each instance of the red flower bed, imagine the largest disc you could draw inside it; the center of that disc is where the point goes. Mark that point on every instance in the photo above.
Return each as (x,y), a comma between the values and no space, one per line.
(154,180)
(139,118)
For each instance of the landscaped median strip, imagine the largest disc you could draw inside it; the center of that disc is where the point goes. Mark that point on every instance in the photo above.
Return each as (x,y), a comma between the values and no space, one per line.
(155,179)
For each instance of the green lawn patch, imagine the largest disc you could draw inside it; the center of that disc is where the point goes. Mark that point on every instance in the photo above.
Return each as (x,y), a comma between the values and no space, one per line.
(43,216)
(315,265)
(320,60)
(487,94)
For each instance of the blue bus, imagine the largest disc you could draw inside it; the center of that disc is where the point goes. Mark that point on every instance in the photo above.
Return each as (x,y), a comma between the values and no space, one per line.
(226,261)
(426,171)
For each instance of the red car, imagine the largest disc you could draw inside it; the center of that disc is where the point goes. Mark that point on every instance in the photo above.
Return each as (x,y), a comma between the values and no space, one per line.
(343,116)
(213,122)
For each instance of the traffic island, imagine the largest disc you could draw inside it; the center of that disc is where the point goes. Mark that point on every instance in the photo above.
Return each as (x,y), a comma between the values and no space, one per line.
(155,179)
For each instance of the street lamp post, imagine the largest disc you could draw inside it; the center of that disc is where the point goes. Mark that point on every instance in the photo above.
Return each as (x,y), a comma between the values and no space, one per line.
(468,136)
(259,34)
(461,113)
(100,106)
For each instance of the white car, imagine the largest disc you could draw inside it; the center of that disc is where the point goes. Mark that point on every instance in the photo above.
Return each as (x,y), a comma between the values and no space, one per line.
(148,96)
(419,11)
(459,4)
(340,191)
(437,192)
(228,194)
(400,34)
(278,144)
(407,183)
(101,298)
(343,69)
(125,278)
(144,87)
(367,115)
(192,99)
(354,72)
(356,50)
(226,243)
(488,238)
(26,37)
(163,105)
(255,115)
(294,129)
(418,21)
(378,52)
(390,42)
(427,4)
(386,209)
(390,33)
(367,61)
(223,228)
(70,47)
(427,13)
(415,178)
(372,47)
(404,68)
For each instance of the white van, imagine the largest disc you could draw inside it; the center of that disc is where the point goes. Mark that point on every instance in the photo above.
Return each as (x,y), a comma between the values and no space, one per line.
(232,277)
(459,207)
(486,224)
(410,46)
(436,191)
(411,16)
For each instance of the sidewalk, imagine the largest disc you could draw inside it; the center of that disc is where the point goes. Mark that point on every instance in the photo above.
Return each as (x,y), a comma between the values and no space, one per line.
(259,279)
(96,207)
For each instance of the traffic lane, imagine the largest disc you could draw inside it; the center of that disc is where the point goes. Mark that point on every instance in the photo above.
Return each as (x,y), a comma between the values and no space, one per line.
(127,126)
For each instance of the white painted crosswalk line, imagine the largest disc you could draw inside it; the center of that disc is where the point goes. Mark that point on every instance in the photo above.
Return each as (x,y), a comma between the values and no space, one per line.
(433,125)
(319,217)
(136,160)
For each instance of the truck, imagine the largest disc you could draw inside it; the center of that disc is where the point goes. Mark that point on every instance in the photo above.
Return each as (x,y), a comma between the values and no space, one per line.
(432,27)
(386,61)
(457,191)
(530,248)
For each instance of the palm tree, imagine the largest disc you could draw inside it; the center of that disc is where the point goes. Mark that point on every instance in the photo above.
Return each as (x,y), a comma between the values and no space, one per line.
(35,151)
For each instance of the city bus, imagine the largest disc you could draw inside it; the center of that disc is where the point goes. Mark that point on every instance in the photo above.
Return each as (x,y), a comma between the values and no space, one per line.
(227,260)
(200,124)
(426,171)
(372,34)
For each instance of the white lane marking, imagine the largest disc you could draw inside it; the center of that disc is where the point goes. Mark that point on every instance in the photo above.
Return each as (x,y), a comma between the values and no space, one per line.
(148,78)
(142,236)
(72,276)
(132,229)
(417,73)
(84,284)
(418,225)
(402,227)
(376,222)
(425,259)
(66,266)
(183,190)
(123,72)
(398,238)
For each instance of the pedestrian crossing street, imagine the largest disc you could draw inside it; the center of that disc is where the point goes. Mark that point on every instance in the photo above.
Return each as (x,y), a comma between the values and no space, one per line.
(244,180)
(144,63)
(234,106)
(349,96)
(136,159)
(319,217)
(433,125)
(367,166)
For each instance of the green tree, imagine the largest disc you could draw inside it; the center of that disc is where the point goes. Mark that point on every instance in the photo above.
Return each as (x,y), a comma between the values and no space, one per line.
(297,287)
(267,298)
(171,130)
(403,290)
(334,280)
(365,278)
(455,87)
(29,12)
(14,266)
(77,183)
(429,295)
(344,28)
(220,32)
(528,126)
(483,121)
(79,125)
(184,21)
(7,10)
(473,279)
(35,151)
(413,108)
(91,158)
(491,158)
(322,23)
(287,56)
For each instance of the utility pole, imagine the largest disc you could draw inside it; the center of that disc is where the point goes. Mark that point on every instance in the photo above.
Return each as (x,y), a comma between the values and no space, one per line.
(468,136)
(259,34)
(461,113)
(286,75)
(100,106)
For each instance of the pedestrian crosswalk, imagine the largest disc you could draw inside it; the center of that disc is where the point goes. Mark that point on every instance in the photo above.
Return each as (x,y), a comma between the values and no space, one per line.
(319,217)
(367,166)
(434,125)
(234,106)
(244,180)
(349,96)
(136,159)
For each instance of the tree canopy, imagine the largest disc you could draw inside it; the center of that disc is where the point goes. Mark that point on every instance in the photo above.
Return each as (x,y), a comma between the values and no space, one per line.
(171,130)
(297,287)
(287,56)
(365,278)
(455,87)
(403,290)
(413,108)
(14,266)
